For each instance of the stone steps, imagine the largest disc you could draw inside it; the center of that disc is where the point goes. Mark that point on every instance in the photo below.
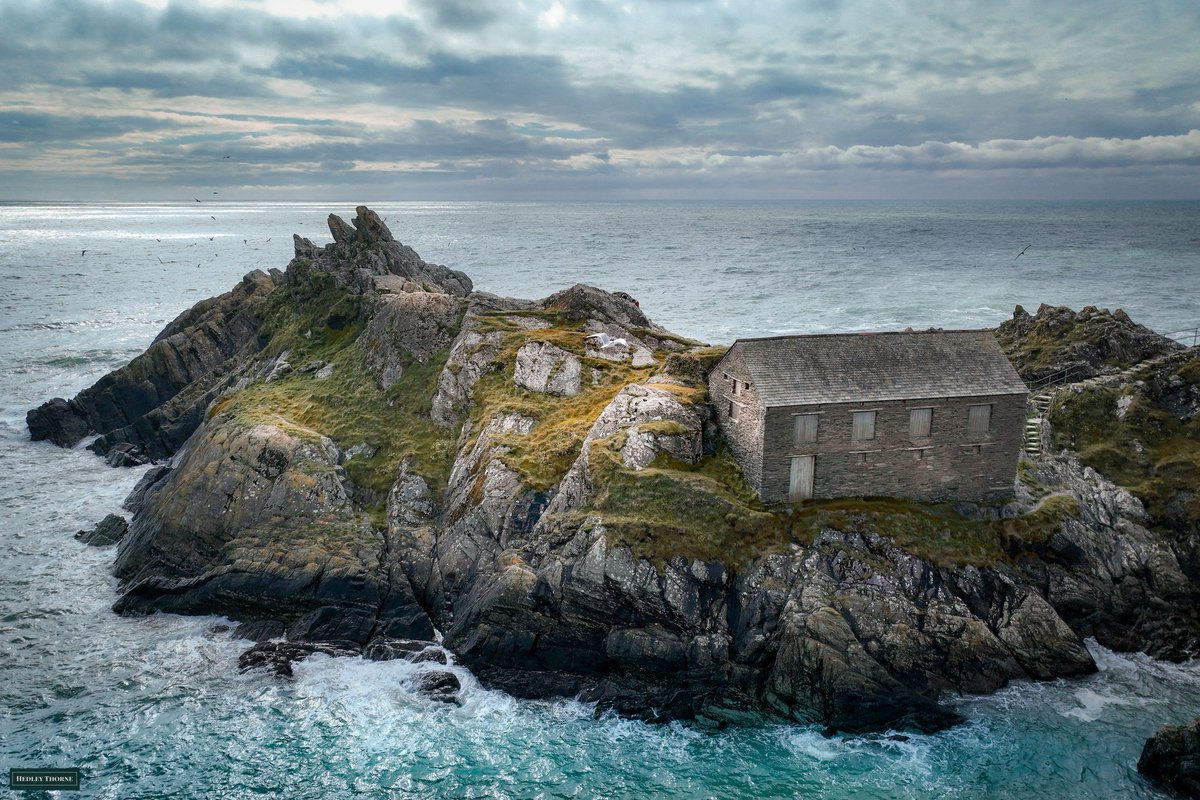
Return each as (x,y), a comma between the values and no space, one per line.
(1041,402)
(1033,426)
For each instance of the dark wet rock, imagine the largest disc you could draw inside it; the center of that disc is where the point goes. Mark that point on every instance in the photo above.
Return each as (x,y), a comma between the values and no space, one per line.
(440,685)
(1110,574)
(157,400)
(110,530)
(385,649)
(134,502)
(58,421)
(279,657)
(431,655)
(124,454)
(1171,758)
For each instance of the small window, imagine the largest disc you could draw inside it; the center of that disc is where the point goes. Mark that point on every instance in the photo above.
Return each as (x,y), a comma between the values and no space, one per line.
(805,431)
(979,421)
(864,426)
(920,423)
(732,410)
(735,386)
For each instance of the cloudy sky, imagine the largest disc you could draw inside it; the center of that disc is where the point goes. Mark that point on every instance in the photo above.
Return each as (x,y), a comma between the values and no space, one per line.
(592,99)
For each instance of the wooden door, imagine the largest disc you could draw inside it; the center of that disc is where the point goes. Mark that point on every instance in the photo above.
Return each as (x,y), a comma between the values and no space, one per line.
(801,485)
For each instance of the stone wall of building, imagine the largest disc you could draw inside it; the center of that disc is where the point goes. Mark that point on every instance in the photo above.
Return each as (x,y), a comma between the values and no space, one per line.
(744,432)
(947,465)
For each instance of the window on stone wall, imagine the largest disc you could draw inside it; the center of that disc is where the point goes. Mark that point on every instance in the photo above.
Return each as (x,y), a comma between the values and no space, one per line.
(805,430)
(864,426)
(732,410)
(920,422)
(979,421)
(735,385)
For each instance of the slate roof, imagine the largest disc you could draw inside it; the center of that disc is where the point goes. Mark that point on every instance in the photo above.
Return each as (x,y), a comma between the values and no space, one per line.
(866,367)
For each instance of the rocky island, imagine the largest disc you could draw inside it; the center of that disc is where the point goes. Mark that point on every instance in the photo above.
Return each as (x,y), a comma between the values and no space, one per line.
(361,454)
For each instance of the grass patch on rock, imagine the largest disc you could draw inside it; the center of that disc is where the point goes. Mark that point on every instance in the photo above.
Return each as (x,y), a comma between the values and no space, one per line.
(932,531)
(543,456)
(322,323)
(1145,448)
(704,511)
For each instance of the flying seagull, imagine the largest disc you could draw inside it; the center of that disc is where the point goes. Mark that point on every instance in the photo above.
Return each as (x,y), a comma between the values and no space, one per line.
(83,253)
(1018,255)
(210,216)
(197,199)
(606,342)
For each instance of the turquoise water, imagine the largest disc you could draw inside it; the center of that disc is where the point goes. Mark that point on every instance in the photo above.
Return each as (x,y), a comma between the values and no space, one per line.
(155,707)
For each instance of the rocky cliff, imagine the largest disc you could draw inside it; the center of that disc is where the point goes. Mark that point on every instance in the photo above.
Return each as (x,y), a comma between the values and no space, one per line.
(376,452)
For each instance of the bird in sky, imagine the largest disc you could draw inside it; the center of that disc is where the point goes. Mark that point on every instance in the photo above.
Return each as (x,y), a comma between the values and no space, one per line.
(83,253)
(197,199)
(210,216)
(1018,255)
(216,192)
(606,342)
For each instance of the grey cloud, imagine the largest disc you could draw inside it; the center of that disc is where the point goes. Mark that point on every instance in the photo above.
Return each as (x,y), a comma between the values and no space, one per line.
(40,128)
(478,92)
(461,15)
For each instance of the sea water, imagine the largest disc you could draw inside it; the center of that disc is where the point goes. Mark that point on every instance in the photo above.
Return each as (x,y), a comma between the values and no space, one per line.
(155,706)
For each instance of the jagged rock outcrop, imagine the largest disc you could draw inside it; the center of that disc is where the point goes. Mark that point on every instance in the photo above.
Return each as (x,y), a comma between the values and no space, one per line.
(257,523)
(366,249)
(1059,343)
(157,400)
(1171,758)
(110,530)
(472,355)
(1109,575)
(582,302)
(851,631)
(389,452)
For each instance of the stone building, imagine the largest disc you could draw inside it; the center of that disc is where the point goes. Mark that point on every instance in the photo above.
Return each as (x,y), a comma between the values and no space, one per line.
(936,415)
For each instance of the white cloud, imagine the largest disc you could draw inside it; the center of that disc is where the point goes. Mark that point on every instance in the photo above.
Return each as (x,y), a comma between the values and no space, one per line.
(553,16)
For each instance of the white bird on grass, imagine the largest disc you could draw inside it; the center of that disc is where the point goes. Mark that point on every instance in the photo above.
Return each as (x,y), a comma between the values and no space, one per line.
(606,342)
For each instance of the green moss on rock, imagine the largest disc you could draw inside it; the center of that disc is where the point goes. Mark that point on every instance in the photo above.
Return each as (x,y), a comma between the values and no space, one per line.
(1129,436)
(704,511)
